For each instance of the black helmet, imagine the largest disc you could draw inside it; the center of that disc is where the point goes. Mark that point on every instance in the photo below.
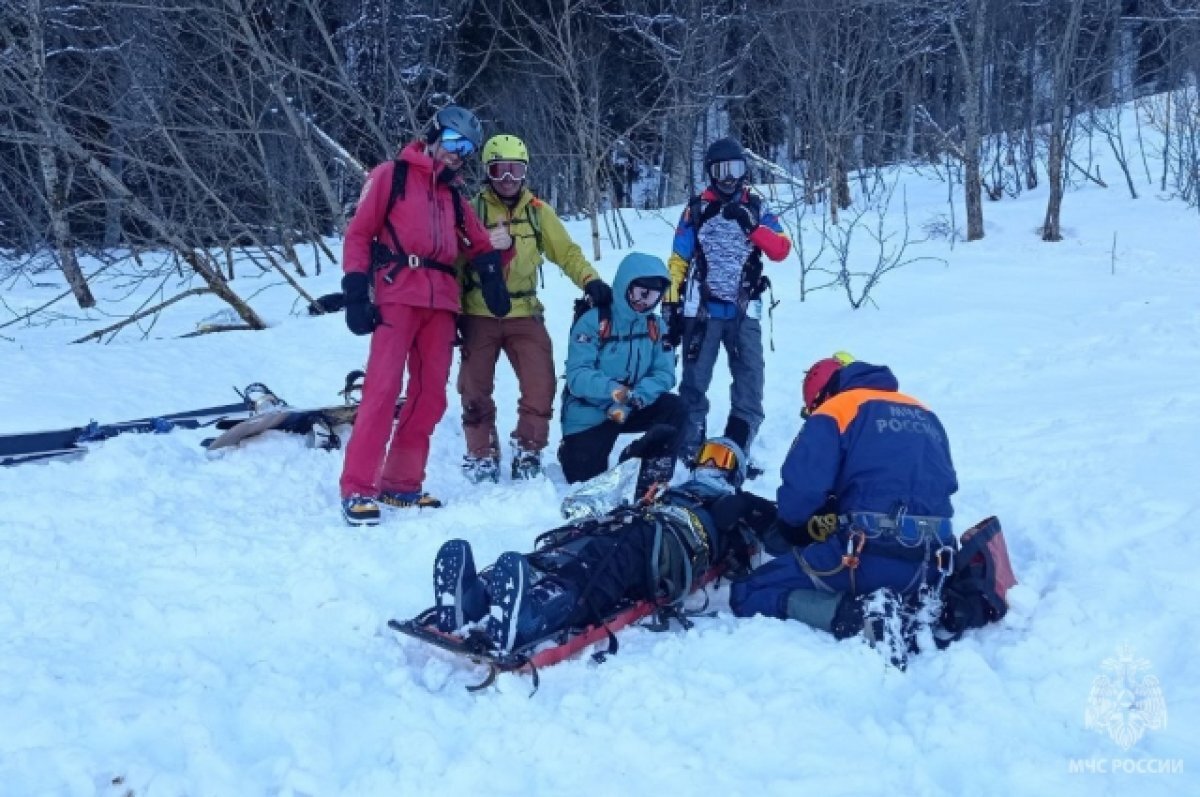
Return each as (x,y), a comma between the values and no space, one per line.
(723,149)
(461,121)
(725,166)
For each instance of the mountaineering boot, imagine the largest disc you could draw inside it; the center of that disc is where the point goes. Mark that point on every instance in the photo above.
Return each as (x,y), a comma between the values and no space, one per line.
(738,430)
(526,463)
(458,592)
(508,585)
(360,510)
(887,627)
(481,469)
(406,500)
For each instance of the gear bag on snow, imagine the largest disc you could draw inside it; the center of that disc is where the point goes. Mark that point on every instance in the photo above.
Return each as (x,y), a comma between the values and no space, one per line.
(975,593)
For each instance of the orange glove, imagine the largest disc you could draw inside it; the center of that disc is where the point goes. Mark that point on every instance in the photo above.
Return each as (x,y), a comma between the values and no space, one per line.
(620,394)
(617,412)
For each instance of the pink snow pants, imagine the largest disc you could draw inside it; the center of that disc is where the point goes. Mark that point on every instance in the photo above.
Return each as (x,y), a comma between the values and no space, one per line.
(418,341)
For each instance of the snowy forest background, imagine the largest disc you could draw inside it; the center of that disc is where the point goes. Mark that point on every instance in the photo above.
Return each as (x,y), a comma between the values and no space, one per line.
(197,128)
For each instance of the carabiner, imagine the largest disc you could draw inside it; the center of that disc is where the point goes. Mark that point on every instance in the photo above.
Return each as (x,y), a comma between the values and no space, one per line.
(852,556)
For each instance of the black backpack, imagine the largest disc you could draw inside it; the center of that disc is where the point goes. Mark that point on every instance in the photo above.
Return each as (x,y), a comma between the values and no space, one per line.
(975,593)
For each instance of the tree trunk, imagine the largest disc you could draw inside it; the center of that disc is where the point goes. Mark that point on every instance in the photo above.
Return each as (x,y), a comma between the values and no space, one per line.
(972,60)
(1062,76)
(55,205)
(52,179)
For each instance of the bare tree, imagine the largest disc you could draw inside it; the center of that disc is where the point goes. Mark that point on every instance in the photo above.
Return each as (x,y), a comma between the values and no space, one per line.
(29,66)
(970,47)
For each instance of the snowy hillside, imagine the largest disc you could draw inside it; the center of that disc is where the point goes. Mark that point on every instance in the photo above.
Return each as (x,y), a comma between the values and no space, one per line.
(177,624)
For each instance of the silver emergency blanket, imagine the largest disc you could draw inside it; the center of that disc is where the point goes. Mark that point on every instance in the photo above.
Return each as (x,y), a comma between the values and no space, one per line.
(604,493)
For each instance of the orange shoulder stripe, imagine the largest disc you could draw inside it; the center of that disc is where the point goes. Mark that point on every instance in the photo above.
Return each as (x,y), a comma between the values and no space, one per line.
(843,407)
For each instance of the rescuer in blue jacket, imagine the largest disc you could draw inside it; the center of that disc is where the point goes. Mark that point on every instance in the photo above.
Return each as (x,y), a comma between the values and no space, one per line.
(864,504)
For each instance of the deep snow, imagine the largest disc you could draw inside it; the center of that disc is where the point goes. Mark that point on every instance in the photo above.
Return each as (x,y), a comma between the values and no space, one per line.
(174,624)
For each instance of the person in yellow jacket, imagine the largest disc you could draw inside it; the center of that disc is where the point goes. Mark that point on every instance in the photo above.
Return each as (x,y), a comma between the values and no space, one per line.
(524,229)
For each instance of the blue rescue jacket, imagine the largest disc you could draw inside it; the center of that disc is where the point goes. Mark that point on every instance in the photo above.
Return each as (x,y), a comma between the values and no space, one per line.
(630,353)
(871,447)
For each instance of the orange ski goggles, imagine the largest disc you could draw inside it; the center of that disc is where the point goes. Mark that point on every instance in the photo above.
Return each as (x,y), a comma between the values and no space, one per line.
(717,455)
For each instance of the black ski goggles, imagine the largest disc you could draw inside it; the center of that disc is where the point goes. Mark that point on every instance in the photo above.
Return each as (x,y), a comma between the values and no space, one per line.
(643,296)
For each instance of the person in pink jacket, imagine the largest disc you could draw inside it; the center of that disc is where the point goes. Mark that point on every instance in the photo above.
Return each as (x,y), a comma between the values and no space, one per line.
(401,288)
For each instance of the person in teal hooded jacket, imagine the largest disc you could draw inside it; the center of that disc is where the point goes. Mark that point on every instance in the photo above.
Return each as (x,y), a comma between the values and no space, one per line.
(619,376)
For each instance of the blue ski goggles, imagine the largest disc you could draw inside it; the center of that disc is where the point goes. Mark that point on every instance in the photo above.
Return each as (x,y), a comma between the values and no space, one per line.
(455,142)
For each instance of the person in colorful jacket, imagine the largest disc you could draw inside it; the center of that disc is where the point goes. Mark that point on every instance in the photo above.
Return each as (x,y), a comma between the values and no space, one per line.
(715,298)
(864,504)
(524,228)
(618,380)
(401,287)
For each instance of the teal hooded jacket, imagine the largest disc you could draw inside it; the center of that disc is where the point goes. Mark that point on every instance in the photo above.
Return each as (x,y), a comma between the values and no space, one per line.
(632,353)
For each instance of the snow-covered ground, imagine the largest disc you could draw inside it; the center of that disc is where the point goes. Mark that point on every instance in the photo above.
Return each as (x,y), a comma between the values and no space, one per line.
(173,624)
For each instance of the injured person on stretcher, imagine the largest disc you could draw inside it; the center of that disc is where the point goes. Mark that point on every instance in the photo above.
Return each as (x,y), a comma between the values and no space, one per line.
(583,573)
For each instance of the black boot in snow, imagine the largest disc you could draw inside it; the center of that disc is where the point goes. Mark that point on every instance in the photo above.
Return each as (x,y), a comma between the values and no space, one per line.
(458,592)
(887,626)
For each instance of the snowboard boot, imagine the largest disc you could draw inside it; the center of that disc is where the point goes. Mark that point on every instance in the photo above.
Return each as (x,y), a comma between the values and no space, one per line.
(508,585)
(481,469)
(416,499)
(360,510)
(458,592)
(526,463)
(887,626)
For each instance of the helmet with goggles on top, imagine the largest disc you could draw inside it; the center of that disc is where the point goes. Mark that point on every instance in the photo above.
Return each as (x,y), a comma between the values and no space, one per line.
(722,455)
(725,166)
(505,157)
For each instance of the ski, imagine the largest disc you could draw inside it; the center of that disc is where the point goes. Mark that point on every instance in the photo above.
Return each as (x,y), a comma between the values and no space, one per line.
(24,447)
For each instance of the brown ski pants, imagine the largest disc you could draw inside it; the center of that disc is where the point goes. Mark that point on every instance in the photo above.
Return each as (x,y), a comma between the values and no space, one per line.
(525,341)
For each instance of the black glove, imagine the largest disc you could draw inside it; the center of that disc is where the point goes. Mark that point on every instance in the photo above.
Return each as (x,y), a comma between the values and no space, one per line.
(672,313)
(491,280)
(757,513)
(599,292)
(361,316)
(742,214)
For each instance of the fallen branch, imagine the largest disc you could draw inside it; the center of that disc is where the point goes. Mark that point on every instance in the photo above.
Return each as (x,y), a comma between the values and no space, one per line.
(139,316)
(217,328)
(1086,173)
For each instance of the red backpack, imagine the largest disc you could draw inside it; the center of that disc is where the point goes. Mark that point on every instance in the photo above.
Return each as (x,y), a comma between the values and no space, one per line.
(975,593)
